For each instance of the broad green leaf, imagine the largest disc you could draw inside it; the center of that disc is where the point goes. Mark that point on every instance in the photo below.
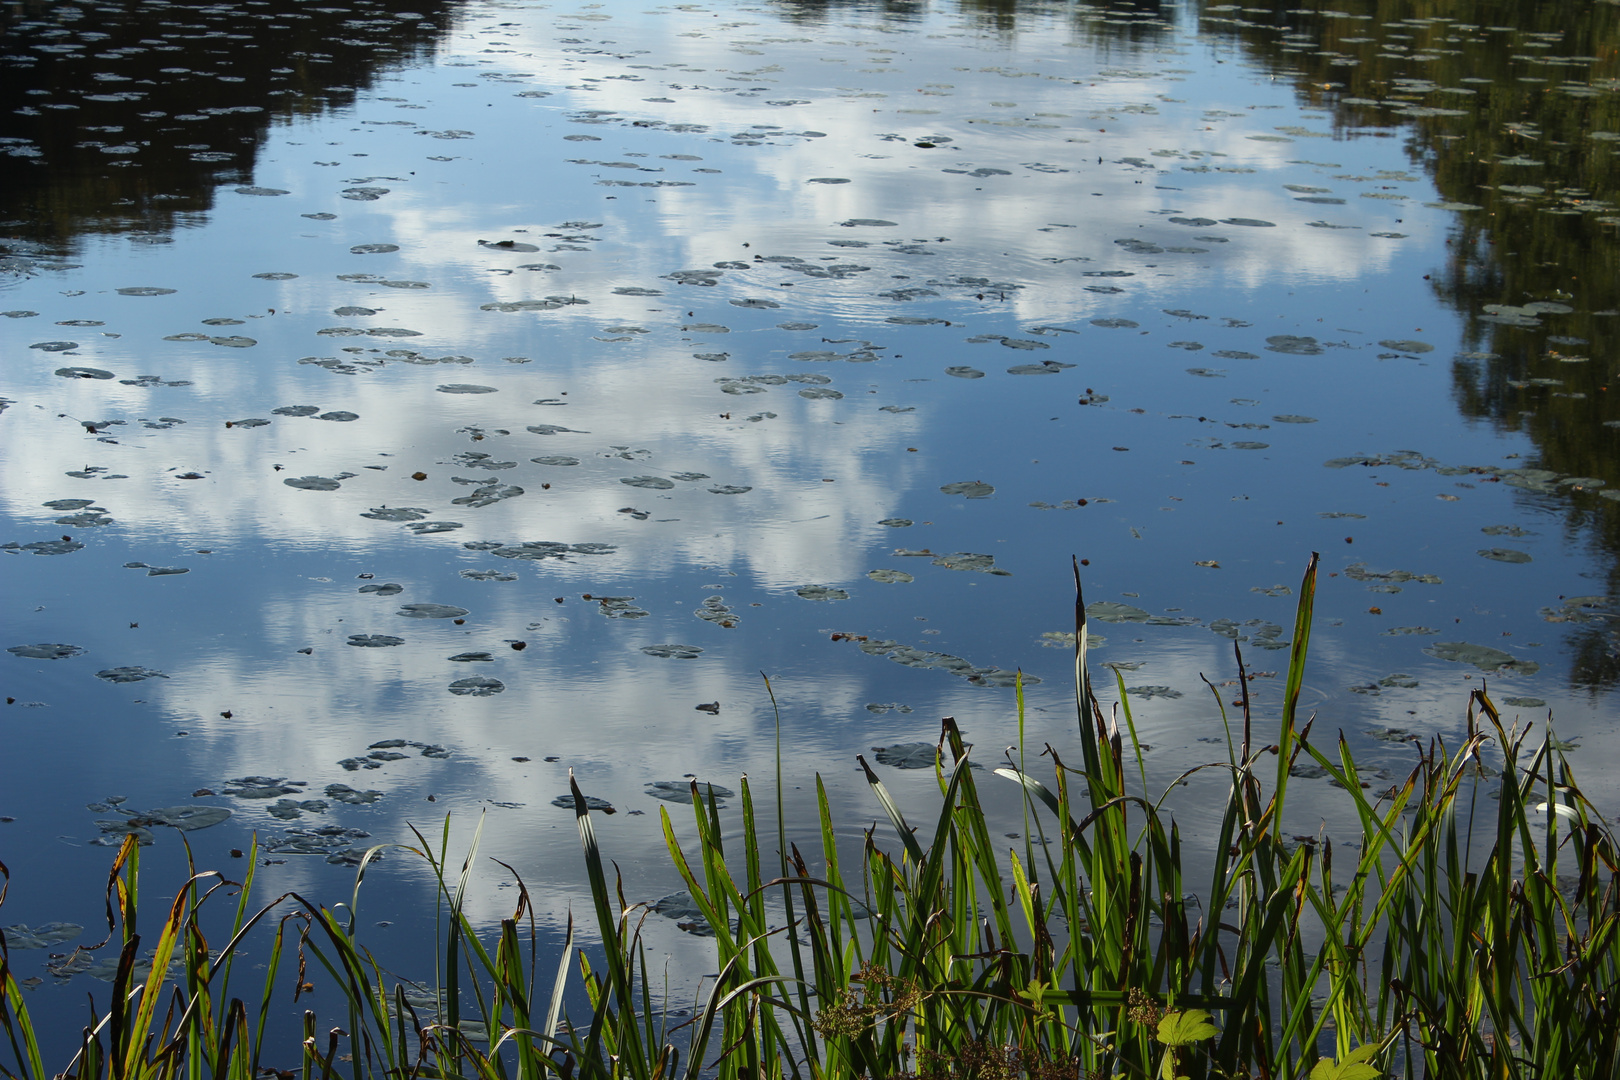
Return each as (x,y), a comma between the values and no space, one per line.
(1186,1027)
(1353,1067)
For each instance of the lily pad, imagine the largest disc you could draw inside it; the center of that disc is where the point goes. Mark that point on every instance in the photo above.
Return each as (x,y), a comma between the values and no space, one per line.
(962,371)
(555,459)
(374,641)
(680,791)
(296,410)
(144,290)
(1408,346)
(1293,344)
(1112,611)
(821,592)
(972,489)
(343,793)
(913,755)
(395,513)
(673,652)
(431,611)
(687,915)
(129,674)
(1152,692)
(390,588)
(185,818)
(1507,555)
(464,388)
(477,687)
(339,416)
(43,936)
(968,560)
(46,651)
(729,489)
(312,483)
(83,372)
(1481,656)
(655,483)
(591,803)
(891,577)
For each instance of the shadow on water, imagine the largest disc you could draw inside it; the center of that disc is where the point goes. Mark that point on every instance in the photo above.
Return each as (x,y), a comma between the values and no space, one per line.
(1513,109)
(124,117)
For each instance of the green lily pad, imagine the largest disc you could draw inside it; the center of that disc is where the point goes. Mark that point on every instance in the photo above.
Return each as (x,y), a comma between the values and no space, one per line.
(1481,656)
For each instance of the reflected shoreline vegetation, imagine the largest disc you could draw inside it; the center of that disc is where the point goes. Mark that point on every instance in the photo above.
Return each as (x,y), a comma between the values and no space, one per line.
(409,406)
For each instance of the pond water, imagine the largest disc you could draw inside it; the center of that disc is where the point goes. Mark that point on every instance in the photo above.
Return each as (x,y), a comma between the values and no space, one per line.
(405,405)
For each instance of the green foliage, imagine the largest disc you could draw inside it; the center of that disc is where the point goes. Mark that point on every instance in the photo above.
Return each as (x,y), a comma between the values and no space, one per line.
(1462,941)
(1353,1066)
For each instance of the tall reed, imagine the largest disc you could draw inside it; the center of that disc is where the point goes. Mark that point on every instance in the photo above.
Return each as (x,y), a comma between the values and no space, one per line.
(1452,939)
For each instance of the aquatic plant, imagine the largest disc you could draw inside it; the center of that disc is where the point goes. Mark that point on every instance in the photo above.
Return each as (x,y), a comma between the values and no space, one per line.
(1458,940)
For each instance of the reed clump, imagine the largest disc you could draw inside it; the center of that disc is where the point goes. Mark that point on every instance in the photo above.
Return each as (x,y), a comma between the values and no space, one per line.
(1468,928)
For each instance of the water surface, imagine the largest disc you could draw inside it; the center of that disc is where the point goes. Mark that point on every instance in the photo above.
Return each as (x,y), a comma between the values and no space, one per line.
(432,401)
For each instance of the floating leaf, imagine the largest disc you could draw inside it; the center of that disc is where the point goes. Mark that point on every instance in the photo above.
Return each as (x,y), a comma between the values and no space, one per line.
(1481,656)
(680,791)
(431,611)
(477,687)
(46,651)
(673,652)
(916,755)
(821,592)
(43,936)
(129,674)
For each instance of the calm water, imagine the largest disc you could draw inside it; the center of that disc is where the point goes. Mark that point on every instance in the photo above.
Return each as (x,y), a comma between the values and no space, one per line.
(654,348)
